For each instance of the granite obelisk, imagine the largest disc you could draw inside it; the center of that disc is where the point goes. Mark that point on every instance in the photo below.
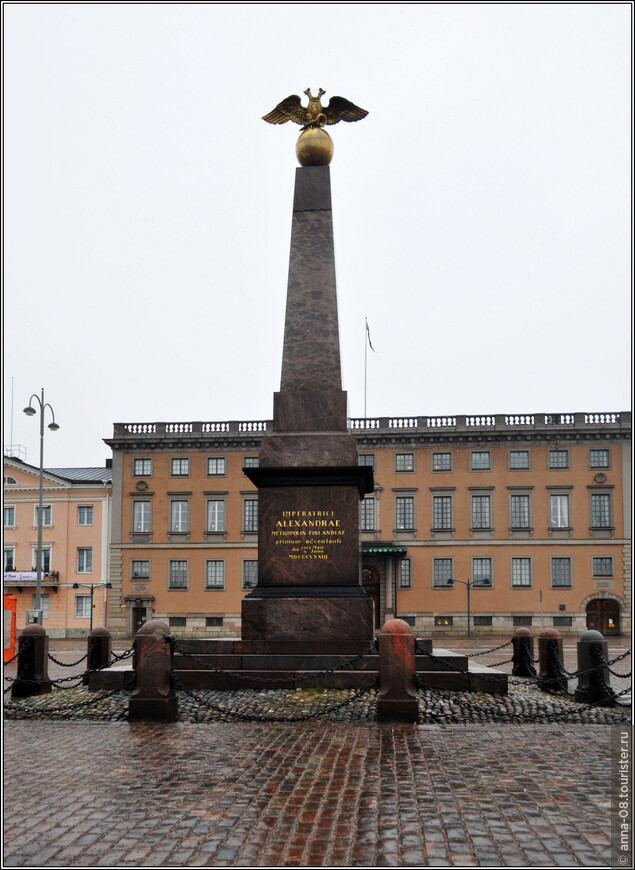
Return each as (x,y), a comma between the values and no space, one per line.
(309,480)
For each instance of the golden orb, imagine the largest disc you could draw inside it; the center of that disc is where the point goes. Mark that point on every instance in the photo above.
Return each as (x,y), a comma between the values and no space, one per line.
(314,147)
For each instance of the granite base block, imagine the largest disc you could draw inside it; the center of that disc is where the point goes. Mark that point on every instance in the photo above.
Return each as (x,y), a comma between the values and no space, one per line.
(307,619)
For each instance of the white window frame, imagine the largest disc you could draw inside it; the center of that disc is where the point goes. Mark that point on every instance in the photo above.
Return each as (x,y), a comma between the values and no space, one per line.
(8,512)
(526,562)
(142,466)
(490,574)
(180,466)
(478,459)
(517,517)
(520,452)
(84,560)
(85,511)
(485,498)
(249,566)
(47,510)
(599,574)
(405,459)
(250,515)
(47,550)
(145,506)
(367,514)
(218,508)
(605,515)
(440,510)
(82,603)
(555,455)
(405,505)
(443,453)
(559,518)
(438,563)
(9,548)
(220,462)
(176,566)
(562,559)
(45,604)
(218,566)
(136,576)
(405,573)
(179,515)
(595,450)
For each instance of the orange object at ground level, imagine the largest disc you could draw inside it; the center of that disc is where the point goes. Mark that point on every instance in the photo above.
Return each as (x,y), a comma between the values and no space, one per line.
(10,606)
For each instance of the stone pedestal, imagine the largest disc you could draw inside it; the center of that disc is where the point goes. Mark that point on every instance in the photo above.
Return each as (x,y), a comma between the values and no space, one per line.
(33,651)
(154,697)
(397,699)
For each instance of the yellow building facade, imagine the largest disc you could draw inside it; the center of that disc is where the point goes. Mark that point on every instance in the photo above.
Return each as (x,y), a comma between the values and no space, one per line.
(533,511)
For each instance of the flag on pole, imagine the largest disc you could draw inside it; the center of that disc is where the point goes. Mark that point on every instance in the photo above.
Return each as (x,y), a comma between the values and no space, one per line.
(370,344)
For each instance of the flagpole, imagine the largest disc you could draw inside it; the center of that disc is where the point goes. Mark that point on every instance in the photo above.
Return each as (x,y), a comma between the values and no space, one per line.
(365,364)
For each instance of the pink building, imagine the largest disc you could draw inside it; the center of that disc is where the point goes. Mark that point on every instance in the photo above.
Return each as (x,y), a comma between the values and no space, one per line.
(76,508)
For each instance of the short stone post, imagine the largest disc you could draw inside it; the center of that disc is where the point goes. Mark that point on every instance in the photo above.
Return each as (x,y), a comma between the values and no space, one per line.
(523,646)
(594,687)
(33,663)
(99,651)
(154,697)
(551,677)
(397,700)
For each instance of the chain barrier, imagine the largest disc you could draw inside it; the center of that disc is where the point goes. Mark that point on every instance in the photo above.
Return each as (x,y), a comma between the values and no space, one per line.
(260,717)
(67,664)
(124,655)
(310,675)
(486,651)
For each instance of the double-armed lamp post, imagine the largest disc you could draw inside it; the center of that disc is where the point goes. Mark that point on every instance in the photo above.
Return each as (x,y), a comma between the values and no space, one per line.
(30,411)
(476,584)
(92,587)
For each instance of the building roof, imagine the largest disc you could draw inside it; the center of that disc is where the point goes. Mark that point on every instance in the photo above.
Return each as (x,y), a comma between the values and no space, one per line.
(83,475)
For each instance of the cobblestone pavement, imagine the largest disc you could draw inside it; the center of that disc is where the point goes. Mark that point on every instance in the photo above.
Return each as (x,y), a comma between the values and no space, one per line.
(309,794)
(317,793)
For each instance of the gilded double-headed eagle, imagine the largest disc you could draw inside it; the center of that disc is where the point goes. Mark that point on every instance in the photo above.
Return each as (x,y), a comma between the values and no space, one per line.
(315,114)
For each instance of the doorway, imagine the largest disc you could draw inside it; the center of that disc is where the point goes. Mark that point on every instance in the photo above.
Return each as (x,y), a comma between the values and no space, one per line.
(370,582)
(603,615)
(138,617)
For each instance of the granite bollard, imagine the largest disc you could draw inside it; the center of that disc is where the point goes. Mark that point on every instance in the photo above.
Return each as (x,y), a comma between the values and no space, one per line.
(594,686)
(33,660)
(551,677)
(523,660)
(99,651)
(154,697)
(397,699)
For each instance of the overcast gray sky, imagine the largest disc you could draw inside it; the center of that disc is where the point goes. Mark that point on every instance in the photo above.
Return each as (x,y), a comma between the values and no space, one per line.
(481,210)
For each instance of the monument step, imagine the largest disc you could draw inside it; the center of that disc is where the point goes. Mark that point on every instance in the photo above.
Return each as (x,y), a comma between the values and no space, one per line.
(444,660)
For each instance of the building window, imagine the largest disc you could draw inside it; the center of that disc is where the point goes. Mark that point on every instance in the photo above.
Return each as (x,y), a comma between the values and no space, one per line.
(8,516)
(602,566)
(251,462)
(525,621)
(601,510)
(444,620)
(180,467)
(481,512)
(367,460)
(215,574)
(250,515)
(480,460)
(367,514)
(562,621)
(141,516)
(559,512)
(250,573)
(404,462)
(216,515)
(599,457)
(177,574)
(405,574)
(46,559)
(558,459)
(142,468)
(140,569)
(46,514)
(177,621)
(518,460)
(441,573)
(179,516)
(10,481)
(82,606)
(521,571)
(442,462)
(213,622)
(404,512)
(84,560)
(442,512)
(482,569)
(519,511)
(216,466)
(84,515)
(482,620)
(561,571)
(9,559)
(44,604)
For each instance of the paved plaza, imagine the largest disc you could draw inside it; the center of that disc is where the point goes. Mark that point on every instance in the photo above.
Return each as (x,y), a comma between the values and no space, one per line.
(312,793)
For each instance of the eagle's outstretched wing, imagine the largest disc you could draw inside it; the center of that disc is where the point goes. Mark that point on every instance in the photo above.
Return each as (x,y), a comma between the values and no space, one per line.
(340,109)
(290,109)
